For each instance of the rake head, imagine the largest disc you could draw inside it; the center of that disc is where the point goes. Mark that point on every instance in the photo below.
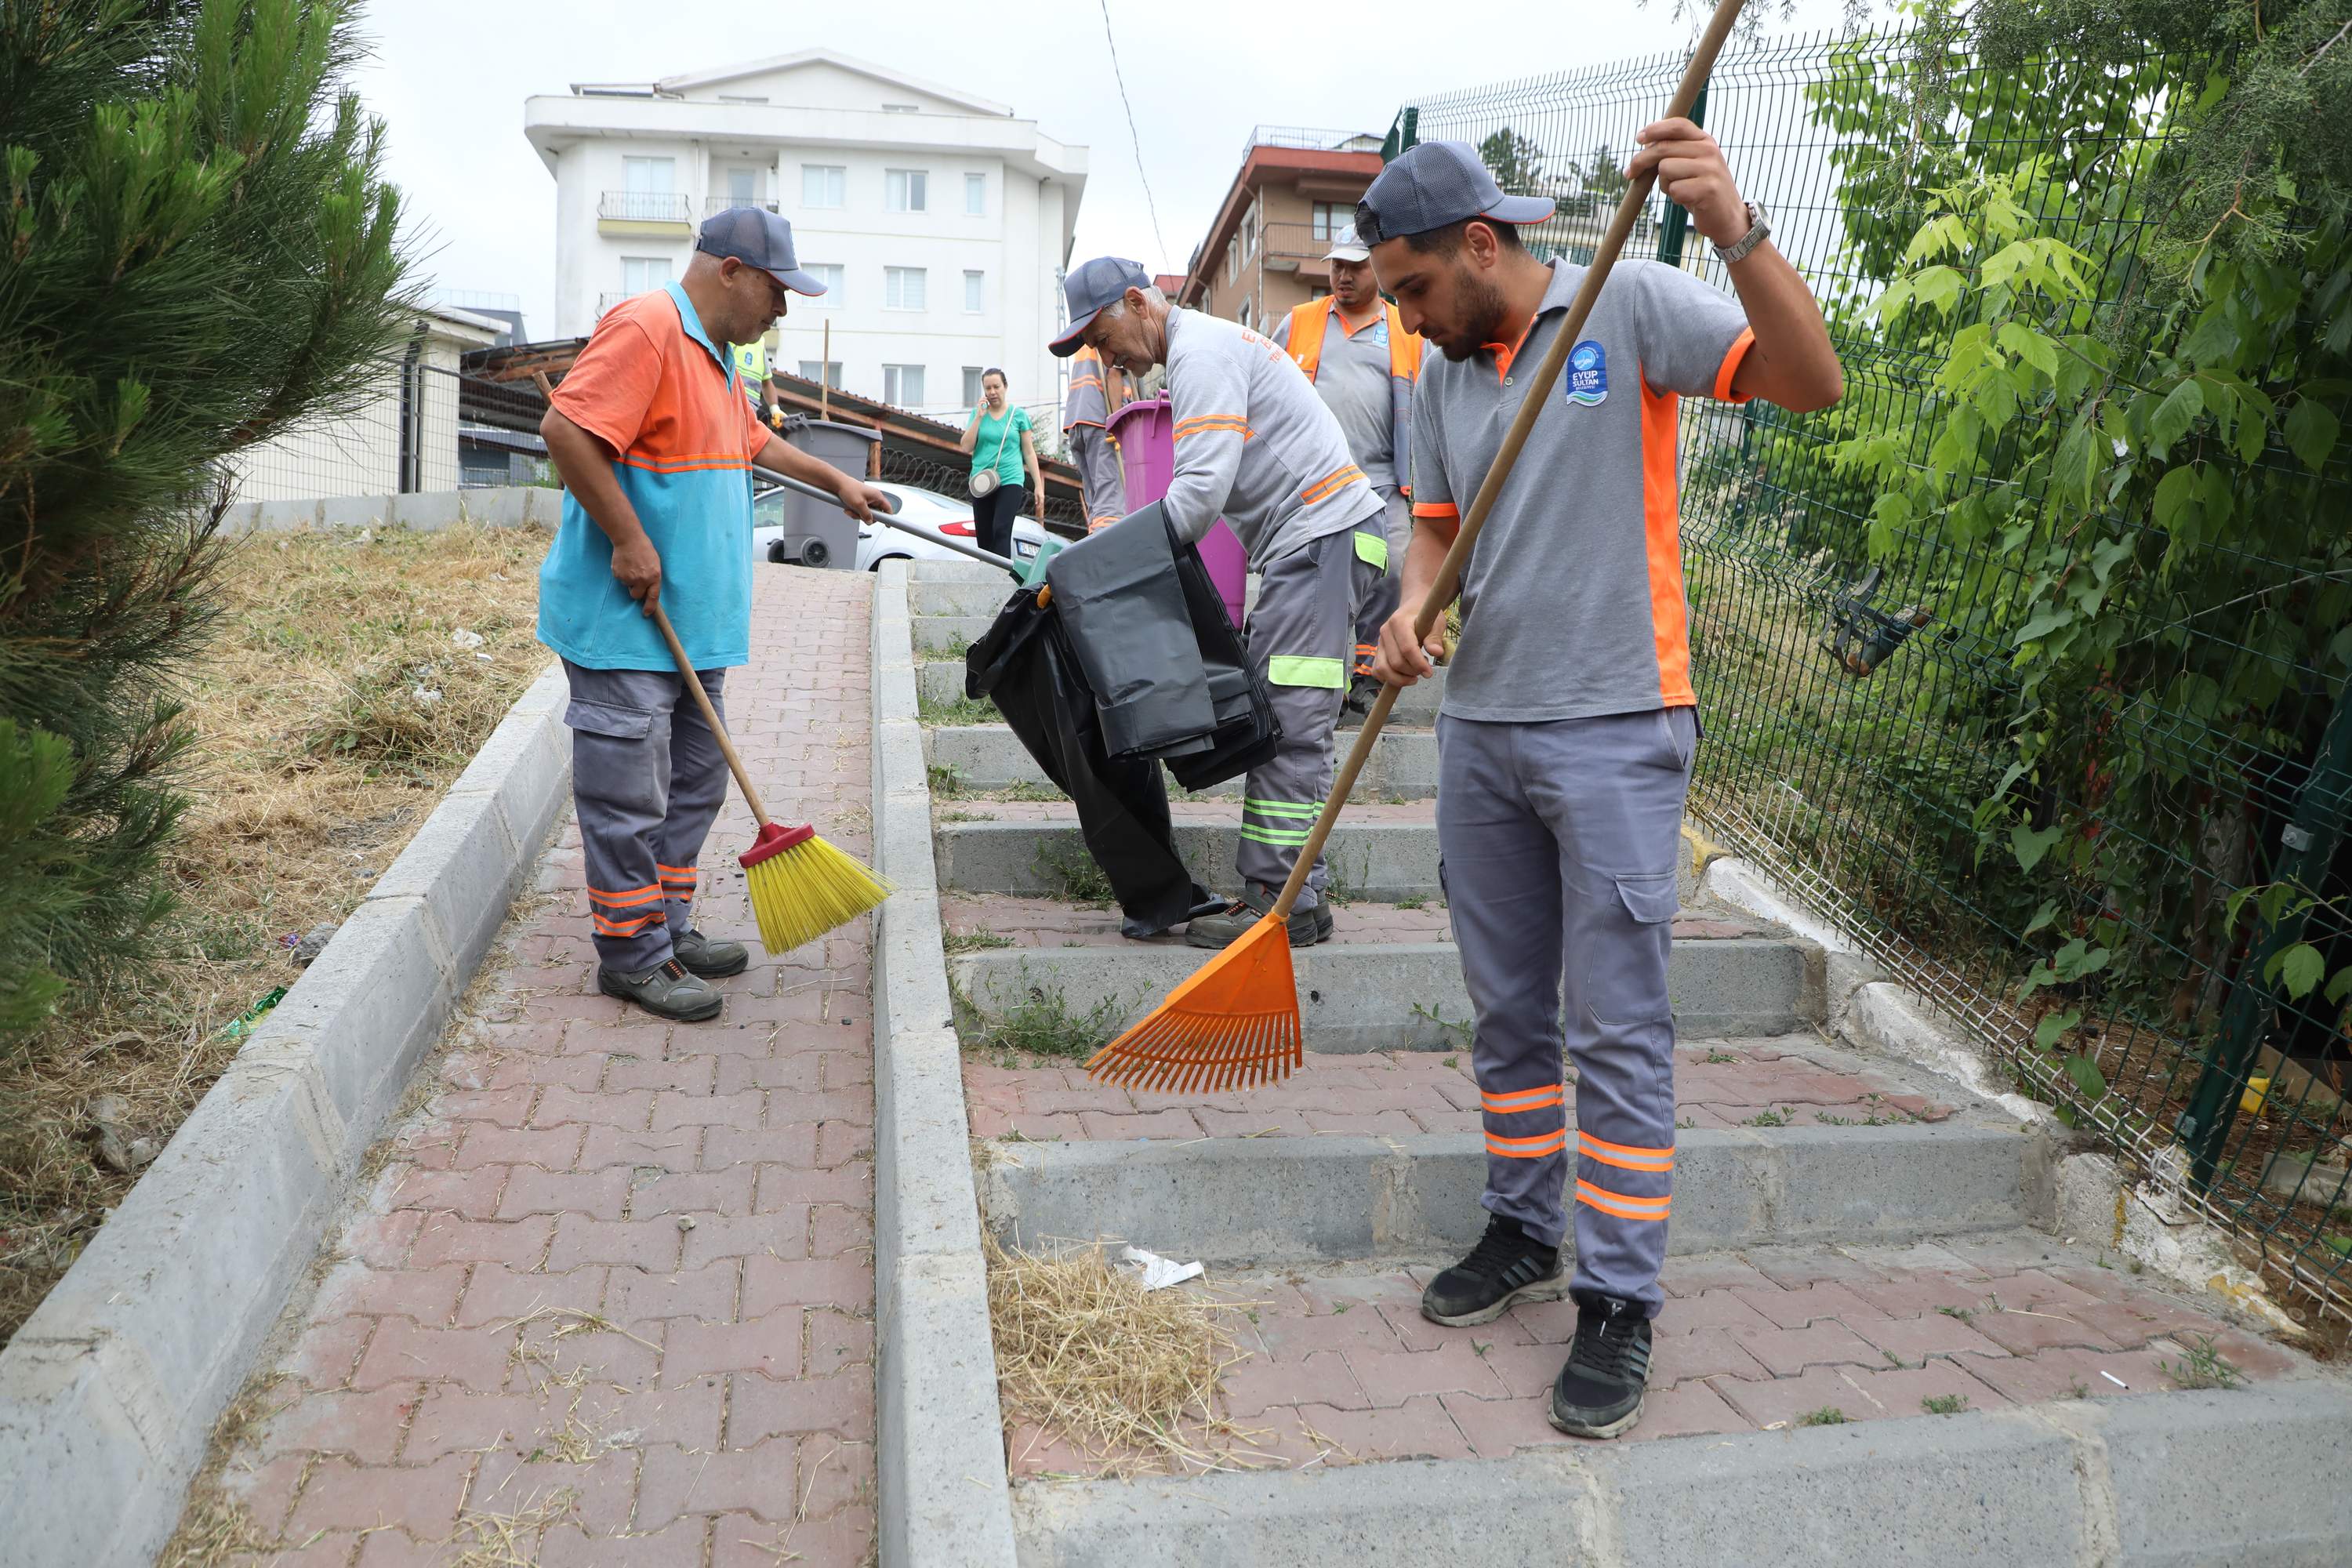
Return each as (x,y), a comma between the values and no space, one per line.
(1234,1025)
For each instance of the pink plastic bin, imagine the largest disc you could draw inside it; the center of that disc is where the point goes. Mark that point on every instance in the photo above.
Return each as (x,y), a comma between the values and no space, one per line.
(1147,451)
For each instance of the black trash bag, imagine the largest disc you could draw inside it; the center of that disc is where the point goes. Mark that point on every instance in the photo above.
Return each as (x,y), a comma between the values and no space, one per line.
(1025,666)
(1151,638)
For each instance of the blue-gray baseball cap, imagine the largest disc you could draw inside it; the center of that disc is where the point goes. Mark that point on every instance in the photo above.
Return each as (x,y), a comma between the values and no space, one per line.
(756,238)
(1092,288)
(1435,183)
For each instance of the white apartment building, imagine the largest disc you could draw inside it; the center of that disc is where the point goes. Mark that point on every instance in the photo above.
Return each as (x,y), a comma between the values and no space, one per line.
(941,222)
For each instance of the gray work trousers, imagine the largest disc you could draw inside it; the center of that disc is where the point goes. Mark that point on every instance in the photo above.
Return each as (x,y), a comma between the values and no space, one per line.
(647,777)
(1556,846)
(1301,632)
(1398,525)
(1102,481)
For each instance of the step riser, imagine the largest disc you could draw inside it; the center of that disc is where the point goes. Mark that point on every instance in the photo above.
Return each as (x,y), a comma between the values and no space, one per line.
(1365,999)
(1403,765)
(2091,1481)
(1278,1201)
(941,680)
(1384,862)
(935,634)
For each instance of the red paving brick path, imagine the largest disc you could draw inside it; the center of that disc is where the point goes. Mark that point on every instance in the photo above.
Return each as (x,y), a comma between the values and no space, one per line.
(1345,1369)
(1785,1080)
(616,1277)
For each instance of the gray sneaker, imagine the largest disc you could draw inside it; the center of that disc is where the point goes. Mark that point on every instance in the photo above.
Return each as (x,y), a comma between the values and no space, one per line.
(1306,927)
(667,992)
(711,960)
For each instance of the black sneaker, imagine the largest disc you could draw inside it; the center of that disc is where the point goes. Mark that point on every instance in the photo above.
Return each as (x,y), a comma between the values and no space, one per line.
(667,991)
(1505,1266)
(1306,927)
(711,960)
(1599,1392)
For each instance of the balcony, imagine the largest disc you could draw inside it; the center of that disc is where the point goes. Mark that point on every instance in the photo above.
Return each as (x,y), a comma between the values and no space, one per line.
(716,204)
(607,302)
(644,214)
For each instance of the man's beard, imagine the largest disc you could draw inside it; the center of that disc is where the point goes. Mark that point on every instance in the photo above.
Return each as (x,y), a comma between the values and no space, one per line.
(1482,316)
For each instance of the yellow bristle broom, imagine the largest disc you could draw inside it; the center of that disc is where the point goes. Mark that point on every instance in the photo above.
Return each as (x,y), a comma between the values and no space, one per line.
(1234,1024)
(802,886)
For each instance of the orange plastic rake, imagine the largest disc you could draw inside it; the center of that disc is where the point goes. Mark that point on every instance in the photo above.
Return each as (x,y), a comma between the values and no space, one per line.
(1234,1024)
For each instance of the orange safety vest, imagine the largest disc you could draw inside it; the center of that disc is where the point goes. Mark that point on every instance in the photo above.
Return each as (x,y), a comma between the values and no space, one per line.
(1306,324)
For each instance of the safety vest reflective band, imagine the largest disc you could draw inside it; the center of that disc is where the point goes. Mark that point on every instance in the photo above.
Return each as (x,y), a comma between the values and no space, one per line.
(1307,324)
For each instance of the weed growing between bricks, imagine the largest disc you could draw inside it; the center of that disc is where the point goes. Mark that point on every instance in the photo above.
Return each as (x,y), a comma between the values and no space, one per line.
(1083,881)
(1085,1354)
(1042,1023)
(315,759)
(960,711)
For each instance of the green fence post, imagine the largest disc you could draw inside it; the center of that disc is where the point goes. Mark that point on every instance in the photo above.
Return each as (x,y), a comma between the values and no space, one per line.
(1677,223)
(2310,841)
(1404,131)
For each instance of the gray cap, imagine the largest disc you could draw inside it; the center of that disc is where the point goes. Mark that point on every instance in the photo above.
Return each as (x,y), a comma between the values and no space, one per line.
(1092,286)
(1346,246)
(1436,184)
(756,238)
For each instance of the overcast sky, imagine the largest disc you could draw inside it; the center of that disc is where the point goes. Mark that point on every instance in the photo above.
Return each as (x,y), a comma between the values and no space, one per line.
(449,77)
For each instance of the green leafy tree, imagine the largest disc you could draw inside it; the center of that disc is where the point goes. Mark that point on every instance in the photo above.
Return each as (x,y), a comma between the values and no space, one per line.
(196,251)
(1514,161)
(1603,180)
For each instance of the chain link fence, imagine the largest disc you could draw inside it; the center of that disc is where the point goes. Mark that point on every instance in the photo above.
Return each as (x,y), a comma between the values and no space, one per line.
(2120,945)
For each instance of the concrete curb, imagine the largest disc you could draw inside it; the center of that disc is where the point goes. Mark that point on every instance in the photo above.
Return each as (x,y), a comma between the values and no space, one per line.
(1384,996)
(1239,1201)
(424,511)
(108,1394)
(2051,1486)
(1403,765)
(939,1458)
(1384,862)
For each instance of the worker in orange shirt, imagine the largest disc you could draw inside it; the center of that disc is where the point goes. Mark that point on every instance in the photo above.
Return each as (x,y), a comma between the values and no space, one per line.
(1086,425)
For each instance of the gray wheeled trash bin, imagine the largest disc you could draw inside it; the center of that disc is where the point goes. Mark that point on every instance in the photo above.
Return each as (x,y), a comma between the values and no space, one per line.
(816,533)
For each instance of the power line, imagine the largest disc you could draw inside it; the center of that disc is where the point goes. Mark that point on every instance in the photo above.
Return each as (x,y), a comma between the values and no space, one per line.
(1134,135)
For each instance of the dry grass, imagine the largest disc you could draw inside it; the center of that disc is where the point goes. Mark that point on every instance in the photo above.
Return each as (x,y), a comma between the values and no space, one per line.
(315,762)
(1131,1376)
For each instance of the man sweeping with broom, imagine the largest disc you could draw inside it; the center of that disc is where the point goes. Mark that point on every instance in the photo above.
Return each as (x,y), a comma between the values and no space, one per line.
(652,437)
(1565,737)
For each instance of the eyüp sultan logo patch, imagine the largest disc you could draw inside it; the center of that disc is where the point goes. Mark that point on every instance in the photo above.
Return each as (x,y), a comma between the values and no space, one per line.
(1588,374)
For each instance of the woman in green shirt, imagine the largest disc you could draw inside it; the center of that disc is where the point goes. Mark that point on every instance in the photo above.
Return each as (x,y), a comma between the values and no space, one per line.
(1000,443)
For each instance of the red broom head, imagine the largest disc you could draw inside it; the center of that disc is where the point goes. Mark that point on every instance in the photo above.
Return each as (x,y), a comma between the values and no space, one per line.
(774,839)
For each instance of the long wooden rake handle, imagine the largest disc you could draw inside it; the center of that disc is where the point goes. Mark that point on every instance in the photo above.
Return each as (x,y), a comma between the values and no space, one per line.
(1449,575)
(709,714)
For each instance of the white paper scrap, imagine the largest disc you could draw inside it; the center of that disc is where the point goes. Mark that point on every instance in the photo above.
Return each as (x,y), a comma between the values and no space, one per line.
(2111,1377)
(1159,1272)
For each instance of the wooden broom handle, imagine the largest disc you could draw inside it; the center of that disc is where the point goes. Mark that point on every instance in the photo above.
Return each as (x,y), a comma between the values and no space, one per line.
(1449,574)
(709,714)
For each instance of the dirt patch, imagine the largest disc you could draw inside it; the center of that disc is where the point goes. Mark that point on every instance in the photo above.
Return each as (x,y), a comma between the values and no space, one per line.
(343,692)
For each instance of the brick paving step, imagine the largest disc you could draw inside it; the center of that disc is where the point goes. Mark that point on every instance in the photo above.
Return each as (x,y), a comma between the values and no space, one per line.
(941,681)
(1378,852)
(1391,980)
(1402,766)
(1356,1426)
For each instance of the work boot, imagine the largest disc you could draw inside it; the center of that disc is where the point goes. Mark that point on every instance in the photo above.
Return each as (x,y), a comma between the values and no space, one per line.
(1306,927)
(1507,1266)
(667,991)
(711,960)
(1599,1392)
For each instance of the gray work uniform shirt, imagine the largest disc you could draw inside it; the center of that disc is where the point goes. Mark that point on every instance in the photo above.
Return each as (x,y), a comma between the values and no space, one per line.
(1254,444)
(1352,376)
(1572,600)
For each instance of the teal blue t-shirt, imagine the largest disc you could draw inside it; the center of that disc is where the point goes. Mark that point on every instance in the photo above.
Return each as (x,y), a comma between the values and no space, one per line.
(1007,463)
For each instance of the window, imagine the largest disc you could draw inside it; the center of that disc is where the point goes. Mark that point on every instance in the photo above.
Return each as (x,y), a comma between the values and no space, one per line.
(648,176)
(830,369)
(975,196)
(1330,218)
(903,384)
(828,273)
(1232,259)
(643,274)
(1250,222)
(975,289)
(903,190)
(743,186)
(971,391)
(1243,315)
(823,186)
(902,288)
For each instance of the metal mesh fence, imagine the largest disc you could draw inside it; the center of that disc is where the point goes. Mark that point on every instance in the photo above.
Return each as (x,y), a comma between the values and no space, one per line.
(421,427)
(1860,693)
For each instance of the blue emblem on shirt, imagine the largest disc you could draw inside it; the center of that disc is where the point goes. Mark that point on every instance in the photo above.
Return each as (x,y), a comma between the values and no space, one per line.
(1588,374)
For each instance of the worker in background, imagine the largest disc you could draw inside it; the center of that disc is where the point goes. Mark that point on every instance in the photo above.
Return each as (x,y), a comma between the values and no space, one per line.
(1255,447)
(1565,740)
(752,368)
(1364,372)
(1086,425)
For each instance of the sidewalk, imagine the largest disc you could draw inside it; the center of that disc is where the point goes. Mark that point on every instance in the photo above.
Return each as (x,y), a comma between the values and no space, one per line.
(608,1299)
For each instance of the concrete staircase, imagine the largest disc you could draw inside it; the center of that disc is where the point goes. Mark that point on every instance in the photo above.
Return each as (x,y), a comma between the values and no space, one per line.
(1876,1349)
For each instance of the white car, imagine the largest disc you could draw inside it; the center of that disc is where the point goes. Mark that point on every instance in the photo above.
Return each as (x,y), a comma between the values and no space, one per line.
(876,542)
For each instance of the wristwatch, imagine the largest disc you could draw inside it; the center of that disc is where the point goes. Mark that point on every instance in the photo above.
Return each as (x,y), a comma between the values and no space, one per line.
(1758,227)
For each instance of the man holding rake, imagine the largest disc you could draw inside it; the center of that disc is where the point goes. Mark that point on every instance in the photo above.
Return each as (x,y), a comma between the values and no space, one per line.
(1567,734)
